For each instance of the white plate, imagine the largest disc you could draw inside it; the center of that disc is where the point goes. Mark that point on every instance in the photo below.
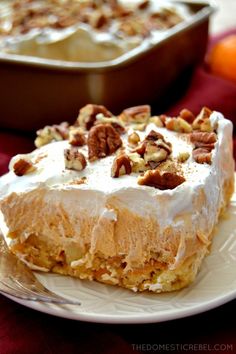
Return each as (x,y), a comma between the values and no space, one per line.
(214,286)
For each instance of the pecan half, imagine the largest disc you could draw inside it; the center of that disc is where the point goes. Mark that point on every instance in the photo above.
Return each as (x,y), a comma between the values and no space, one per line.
(76,136)
(103,140)
(137,114)
(23,167)
(52,133)
(202,155)
(87,115)
(121,166)
(204,140)
(74,160)
(203,143)
(161,179)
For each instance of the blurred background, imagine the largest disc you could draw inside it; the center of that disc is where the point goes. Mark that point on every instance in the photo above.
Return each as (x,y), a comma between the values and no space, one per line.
(225,18)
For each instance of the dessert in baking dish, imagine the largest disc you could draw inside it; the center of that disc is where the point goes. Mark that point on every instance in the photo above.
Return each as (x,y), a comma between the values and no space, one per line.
(130,200)
(84,30)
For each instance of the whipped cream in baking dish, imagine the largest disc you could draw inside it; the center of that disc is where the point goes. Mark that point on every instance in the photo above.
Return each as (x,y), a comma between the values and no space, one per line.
(85,30)
(52,175)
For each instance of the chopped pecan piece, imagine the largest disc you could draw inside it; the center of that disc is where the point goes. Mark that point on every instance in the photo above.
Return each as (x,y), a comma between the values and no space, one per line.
(77,137)
(178,125)
(103,140)
(153,136)
(154,153)
(202,155)
(202,121)
(52,133)
(74,160)
(187,115)
(133,138)
(139,126)
(114,121)
(144,5)
(204,140)
(98,19)
(121,166)
(157,121)
(161,178)
(138,163)
(23,167)
(138,114)
(154,141)
(135,26)
(141,148)
(183,156)
(87,115)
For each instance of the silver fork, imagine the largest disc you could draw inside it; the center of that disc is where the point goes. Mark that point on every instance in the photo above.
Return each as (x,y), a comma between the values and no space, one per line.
(17,280)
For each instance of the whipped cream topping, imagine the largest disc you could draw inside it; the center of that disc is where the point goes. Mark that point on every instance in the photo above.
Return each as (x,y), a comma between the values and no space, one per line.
(143,200)
(79,42)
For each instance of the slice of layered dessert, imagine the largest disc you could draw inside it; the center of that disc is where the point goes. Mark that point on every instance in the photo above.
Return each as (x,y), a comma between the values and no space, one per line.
(130,200)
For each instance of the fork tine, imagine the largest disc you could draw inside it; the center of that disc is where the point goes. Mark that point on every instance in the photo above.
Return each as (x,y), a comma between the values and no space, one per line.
(16,279)
(46,293)
(18,290)
(9,290)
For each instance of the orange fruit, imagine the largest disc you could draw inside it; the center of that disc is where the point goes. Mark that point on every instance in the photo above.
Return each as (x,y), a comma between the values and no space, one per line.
(222,58)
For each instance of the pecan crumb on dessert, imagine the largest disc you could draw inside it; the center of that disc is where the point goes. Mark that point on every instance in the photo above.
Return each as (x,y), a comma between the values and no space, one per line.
(79,181)
(103,140)
(52,133)
(23,167)
(121,166)
(137,114)
(74,160)
(165,176)
(202,121)
(76,136)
